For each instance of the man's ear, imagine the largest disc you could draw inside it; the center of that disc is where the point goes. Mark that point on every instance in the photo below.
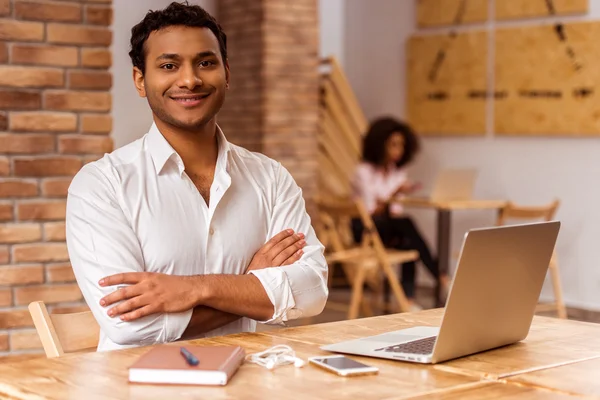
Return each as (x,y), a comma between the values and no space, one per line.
(227,73)
(138,80)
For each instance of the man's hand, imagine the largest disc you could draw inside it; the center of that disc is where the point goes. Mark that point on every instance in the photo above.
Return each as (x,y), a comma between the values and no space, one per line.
(285,248)
(149,293)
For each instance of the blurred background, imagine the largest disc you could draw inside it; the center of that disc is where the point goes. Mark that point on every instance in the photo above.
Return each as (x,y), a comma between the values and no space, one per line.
(508,88)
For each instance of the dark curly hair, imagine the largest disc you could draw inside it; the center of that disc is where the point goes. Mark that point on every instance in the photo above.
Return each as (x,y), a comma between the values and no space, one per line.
(377,135)
(176,14)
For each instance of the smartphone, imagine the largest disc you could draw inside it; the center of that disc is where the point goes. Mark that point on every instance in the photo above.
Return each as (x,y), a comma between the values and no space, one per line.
(342,365)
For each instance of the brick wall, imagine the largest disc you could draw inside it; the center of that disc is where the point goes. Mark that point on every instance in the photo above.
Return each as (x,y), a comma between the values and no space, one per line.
(55,105)
(272,105)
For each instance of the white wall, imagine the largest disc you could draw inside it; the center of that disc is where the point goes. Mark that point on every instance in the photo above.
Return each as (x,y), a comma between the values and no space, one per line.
(131,114)
(527,170)
(331,20)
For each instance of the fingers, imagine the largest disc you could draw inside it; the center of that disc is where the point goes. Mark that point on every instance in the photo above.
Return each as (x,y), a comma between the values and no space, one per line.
(295,257)
(276,239)
(130,305)
(288,251)
(139,313)
(118,279)
(284,244)
(121,294)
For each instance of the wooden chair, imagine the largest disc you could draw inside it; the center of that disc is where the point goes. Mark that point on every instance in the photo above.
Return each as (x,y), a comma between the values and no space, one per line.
(363,264)
(64,333)
(544,213)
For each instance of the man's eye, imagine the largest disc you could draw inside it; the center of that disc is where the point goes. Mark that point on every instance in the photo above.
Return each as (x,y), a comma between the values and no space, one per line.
(168,66)
(206,64)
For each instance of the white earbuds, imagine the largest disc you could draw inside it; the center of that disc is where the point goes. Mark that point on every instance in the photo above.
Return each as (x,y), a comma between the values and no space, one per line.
(276,356)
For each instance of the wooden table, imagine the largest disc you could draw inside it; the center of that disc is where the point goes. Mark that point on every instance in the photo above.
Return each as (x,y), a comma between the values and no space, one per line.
(531,369)
(444,219)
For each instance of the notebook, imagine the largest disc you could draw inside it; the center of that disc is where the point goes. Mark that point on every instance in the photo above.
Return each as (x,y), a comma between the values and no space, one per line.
(165,364)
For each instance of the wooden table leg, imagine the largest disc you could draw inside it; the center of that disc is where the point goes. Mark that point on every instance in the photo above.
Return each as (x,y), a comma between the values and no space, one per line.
(443,247)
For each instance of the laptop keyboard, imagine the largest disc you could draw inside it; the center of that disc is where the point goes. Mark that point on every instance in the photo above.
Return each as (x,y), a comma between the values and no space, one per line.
(421,346)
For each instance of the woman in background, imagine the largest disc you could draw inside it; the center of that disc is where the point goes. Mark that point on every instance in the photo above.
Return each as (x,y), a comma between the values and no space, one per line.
(388,147)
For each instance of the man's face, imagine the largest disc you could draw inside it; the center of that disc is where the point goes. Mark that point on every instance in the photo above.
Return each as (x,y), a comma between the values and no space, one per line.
(185,78)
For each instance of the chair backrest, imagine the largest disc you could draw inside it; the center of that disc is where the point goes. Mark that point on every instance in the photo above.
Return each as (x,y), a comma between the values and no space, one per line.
(335,216)
(512,211)
(64,333)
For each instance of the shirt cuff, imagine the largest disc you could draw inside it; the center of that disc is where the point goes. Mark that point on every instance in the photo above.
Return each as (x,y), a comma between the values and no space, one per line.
(176,324)
(277,287)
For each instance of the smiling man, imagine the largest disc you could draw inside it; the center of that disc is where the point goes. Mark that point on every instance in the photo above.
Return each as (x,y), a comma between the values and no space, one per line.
(182,234)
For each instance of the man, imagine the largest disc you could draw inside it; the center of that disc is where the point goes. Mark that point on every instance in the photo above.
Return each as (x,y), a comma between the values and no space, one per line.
(167,234)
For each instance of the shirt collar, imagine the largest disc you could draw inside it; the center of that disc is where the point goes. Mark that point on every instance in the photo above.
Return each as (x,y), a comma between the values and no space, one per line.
(161,151)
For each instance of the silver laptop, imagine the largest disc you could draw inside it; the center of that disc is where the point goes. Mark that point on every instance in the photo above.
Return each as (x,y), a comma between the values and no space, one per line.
(493,298)
(454,184)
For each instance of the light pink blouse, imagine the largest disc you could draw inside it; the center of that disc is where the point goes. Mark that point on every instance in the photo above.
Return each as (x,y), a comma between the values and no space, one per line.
(371,184)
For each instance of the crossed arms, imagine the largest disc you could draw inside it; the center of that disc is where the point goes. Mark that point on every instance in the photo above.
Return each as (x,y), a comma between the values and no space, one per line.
(158,308)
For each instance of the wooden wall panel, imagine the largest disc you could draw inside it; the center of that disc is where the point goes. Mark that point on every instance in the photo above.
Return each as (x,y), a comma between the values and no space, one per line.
(516,9)
(447,84)
(550,86)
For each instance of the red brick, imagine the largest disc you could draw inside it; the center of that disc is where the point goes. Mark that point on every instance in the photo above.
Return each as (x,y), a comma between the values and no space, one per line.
(54,232)
(4,7)
(91,158)
(60,273)
(43,122)
(98,15)
(96,58)
(47,294)
(15,319)
(96,123)
(3,121)
(19,100)
(45,252)
(21,274)
(60,56)
(77,101)
(85,144)
(6,298)
(48,11)
(21,30)
(4,255)
(25,340)
(77,34)
(47,166)
(91,1)
(19,233)
(26,144)
(3,52)
(18,188)
(90,80)
(6,212)
(56,187)
(41,210)
(4,166)
(31,77)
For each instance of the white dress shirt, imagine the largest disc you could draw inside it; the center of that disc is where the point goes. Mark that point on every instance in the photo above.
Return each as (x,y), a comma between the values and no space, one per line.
(137,210)
(371,184)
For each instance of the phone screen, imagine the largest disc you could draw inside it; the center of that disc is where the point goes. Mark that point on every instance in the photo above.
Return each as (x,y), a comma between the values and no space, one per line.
(341,363)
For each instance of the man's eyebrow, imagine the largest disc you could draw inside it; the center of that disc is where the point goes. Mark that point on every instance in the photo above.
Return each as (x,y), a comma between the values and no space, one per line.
(206,53)
(173,56)
(168,56)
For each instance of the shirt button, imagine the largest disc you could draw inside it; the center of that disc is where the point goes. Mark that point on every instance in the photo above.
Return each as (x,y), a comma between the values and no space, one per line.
(211,231)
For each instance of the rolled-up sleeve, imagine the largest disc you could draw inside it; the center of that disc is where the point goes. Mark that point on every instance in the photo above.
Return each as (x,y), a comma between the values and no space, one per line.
(300,289)
(101,242)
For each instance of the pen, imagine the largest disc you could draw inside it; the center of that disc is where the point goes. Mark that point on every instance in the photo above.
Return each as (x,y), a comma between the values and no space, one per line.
(189,357)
